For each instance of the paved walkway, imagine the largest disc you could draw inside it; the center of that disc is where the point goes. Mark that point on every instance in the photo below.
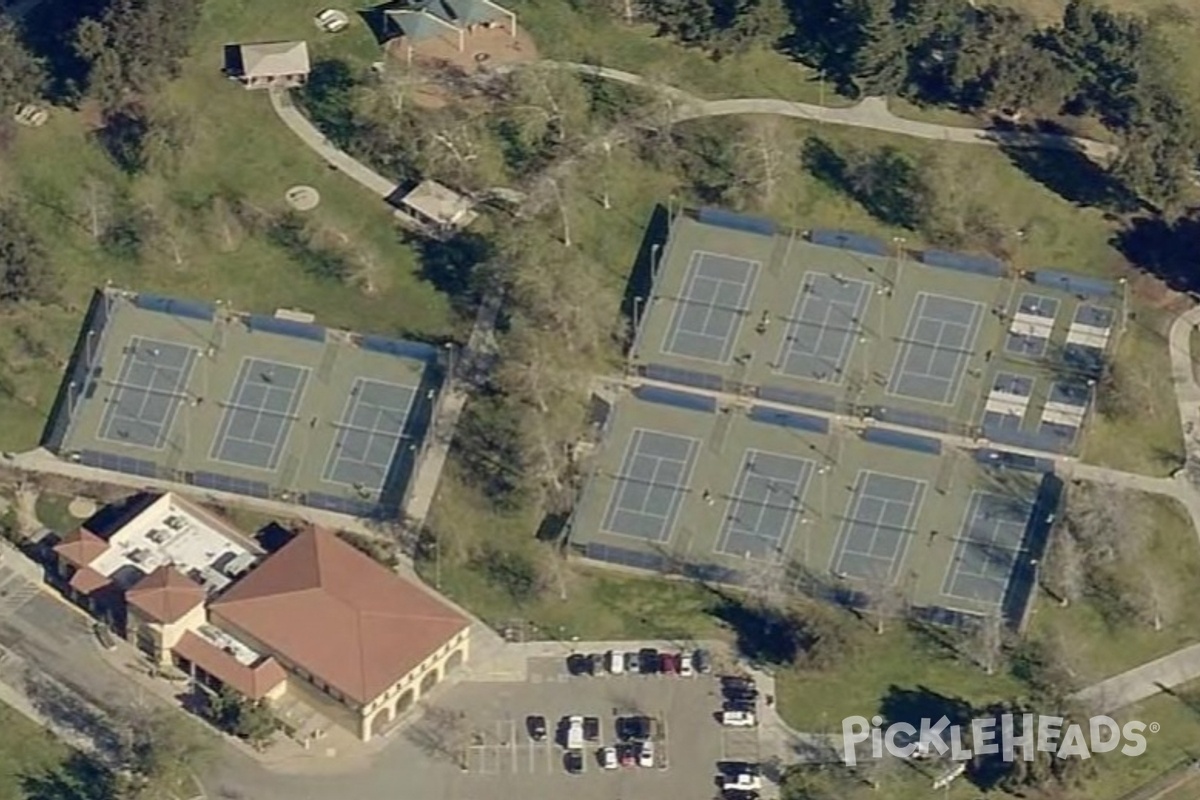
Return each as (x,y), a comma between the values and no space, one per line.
(870,112)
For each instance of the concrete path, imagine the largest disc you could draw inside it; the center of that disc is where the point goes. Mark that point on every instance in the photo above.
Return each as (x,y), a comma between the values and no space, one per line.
(870,112)
(316,141)
(481,347)
(1142,682)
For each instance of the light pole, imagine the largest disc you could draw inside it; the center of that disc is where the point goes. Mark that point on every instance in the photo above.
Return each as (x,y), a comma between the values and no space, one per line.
(607,163)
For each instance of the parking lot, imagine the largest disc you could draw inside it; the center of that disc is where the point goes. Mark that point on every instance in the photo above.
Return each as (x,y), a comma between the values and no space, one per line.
(688,742)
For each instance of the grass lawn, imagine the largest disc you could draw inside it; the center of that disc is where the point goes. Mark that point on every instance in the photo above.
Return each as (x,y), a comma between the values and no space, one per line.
(576,601)
(238,147)
(27,753)
(52,511)
(1097,650)
(564,33)
(901,659)
(1166,750)
(1148,439)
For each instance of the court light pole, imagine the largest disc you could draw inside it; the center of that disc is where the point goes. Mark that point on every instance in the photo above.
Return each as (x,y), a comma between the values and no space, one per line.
(607,163)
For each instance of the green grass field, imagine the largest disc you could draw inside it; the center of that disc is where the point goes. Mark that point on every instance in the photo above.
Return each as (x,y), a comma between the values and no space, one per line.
(1096,650)
(29,755)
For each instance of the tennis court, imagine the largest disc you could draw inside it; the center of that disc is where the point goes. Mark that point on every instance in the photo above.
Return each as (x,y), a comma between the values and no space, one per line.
(988,548)
(651,485)
(825,322)
(259,413)
(148,392)
(877,526)
(1031,327)
(708,316)
(938,341)
(766,503)
(369,432)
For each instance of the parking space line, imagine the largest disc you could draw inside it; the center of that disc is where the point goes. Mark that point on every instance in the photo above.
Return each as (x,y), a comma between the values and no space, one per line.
(512,744)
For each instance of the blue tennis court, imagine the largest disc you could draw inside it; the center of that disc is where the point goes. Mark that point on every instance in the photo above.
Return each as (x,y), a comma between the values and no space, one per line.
(370,431)
(825,323)
(259,413)
(147,393)
(654,477)
(938,340)
(708,315)
(877,526)
(1031,326)
(765,505)
(988,549)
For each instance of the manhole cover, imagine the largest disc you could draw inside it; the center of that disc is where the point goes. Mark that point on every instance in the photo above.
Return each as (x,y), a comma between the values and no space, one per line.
(303,198)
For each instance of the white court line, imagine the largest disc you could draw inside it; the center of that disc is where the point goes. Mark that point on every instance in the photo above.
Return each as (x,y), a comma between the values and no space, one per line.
(674,328)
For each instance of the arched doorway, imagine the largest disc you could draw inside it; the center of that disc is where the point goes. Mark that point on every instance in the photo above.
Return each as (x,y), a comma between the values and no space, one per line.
(380,721)
(405,702)
(454,661)
(429,681)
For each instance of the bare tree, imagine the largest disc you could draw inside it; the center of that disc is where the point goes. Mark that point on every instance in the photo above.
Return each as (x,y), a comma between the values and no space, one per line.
(989,641)
(768,158)
(885,600)
(1064,571)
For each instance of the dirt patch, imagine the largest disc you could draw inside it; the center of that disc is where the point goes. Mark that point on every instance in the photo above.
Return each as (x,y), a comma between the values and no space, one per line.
(441,73)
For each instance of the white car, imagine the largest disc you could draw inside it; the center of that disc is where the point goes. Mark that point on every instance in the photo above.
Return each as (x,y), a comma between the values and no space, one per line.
(646,755)
(745,782)
(738,719)
(608,757)
(686,669)
(614,662)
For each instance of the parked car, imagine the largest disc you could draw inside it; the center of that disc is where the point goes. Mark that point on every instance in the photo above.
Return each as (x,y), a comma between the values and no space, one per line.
(738,719)
(702,661)
(739,794)
(685,665)
(536,725)
(614,662)
(736,683)
(608,757)
(577,664)
(633,728)
(669,663)
(628,754)
(632,665)
(591,729)
(740,704)
(648,660)
(646,755)
(743,781)
(573,761)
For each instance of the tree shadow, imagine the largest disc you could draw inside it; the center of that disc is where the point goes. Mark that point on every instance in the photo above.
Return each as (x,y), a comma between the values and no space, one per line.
(1163,248)
(914,705)
(48,30)
(77,778)
(451,266)
(1069,173)
(764,634)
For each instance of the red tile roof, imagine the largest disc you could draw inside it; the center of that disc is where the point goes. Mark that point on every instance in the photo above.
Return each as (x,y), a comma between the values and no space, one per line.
(165,595)
(253,682)
(86,580)
(324,606)
(81,548)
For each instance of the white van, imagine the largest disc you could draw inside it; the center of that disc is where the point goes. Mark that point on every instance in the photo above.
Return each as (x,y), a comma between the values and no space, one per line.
(614,661)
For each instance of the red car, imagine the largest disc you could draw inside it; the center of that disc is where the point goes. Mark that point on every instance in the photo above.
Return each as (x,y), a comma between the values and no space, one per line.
(628,755)
(669,663)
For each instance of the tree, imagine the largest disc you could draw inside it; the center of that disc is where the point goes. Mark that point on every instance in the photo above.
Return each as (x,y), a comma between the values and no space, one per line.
(22,75)
(242,717)
(1065,571)
(25,272)
(514,572)
(162,751)
(884,600)
(135,46)
(988,640)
